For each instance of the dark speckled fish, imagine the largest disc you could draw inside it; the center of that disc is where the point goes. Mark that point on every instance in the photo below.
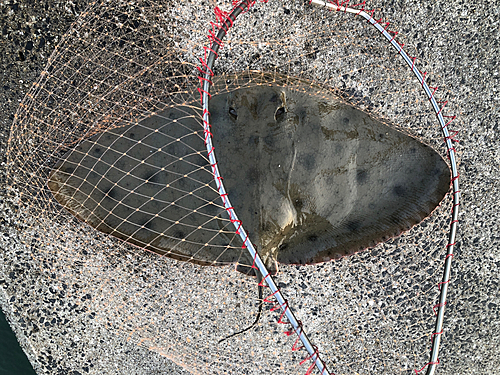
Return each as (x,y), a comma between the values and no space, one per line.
(310,177)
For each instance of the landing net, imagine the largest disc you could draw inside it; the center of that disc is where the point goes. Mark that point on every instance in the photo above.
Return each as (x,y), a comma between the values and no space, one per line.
(123,63)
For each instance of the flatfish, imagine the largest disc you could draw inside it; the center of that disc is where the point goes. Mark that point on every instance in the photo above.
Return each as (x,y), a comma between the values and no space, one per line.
(312,178)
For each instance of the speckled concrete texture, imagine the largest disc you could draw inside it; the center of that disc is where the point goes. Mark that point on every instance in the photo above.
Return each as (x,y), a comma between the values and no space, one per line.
(65,321)
(30,31)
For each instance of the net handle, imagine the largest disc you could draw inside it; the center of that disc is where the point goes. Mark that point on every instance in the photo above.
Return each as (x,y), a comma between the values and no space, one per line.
(449,139)
(226,22)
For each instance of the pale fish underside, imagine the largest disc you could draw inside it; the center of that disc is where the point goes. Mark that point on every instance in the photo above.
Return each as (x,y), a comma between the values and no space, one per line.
(310,177)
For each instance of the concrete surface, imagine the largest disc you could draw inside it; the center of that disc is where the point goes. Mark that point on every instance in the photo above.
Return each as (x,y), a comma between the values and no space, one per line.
(59,330)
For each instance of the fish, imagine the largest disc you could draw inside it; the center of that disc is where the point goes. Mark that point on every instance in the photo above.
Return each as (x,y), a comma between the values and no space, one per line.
(311,177)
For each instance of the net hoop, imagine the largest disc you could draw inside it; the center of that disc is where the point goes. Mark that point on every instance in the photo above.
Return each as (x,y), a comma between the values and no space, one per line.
(225,23)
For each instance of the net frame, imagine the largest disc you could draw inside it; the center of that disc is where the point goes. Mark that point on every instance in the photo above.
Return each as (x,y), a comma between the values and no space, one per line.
(225,22)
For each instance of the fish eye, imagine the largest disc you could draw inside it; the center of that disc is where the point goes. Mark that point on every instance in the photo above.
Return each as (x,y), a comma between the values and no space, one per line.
(233,113)
(279,114)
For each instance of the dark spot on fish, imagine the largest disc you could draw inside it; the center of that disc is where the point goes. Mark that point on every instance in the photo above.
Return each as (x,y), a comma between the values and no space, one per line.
(302,113)
(156,177)
(232,113)
(274,98)
(312,238)
(353,225)
(399,190)
(308,161)
(179,234)
(413,150)
(93,176)
(97,150)
(253,139)
(149,224)
(131,135)
(435,172)
(361,176)
(149,175)
(69,170)
(253,174)
(112,192)
(298,204)
(112,221)
(283,246)
(140,218)
(209,209)
(345,120)
(182,182)
(280,114)
(269,140)
(106,201)
(142,235)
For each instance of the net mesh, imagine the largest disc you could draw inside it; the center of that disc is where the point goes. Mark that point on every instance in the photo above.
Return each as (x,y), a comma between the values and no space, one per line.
(124,63)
